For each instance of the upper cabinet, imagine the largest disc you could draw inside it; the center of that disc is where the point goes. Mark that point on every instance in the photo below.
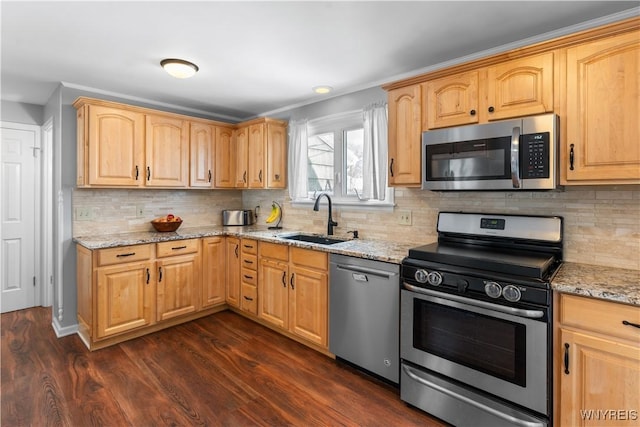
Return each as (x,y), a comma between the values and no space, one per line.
(276,175)
(404,136)
(110,147)
(515,88)
(256,157)
(121,145)
(602,99)
(167,152)
(225,157)
(261,154)
(202,146)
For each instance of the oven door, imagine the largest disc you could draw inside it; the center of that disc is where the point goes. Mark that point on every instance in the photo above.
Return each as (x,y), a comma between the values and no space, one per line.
(478,344)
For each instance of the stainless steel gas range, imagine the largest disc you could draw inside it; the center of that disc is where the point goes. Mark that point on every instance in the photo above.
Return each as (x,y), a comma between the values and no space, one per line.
(476,320)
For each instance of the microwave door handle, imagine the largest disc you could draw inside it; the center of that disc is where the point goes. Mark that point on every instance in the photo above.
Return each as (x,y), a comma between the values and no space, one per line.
(515,157)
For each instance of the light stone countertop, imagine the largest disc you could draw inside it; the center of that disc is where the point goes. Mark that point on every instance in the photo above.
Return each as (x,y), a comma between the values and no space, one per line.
(361,248)
(612,284)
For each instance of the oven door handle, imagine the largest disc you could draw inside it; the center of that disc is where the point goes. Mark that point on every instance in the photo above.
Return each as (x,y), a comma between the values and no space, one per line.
(531,314)
(414,375)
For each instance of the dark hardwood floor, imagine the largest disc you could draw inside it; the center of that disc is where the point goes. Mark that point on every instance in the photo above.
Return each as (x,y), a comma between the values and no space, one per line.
(219,370)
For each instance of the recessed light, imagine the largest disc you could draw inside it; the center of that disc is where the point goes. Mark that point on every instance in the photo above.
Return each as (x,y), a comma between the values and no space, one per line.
(322,89)
(179,68)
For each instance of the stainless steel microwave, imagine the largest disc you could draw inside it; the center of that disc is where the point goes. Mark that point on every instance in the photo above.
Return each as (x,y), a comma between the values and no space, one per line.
(515,154)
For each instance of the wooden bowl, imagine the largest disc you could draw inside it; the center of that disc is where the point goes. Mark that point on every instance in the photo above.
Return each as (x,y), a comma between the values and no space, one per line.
(164,226)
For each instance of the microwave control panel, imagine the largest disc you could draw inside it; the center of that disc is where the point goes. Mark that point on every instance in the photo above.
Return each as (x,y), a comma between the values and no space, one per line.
(535,155)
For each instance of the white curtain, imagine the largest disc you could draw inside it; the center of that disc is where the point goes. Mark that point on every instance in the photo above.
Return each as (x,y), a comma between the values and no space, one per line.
(374,156)
(298,159)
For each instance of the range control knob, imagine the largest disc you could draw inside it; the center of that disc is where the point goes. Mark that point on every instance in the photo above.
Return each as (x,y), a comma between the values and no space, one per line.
(492,289)
(434,278)
(511,293)
(421,276)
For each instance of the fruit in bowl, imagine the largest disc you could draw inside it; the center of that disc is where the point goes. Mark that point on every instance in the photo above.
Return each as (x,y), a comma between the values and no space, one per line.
(167,223)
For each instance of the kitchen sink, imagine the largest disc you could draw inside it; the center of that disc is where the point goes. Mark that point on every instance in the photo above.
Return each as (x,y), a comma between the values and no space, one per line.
(312,238)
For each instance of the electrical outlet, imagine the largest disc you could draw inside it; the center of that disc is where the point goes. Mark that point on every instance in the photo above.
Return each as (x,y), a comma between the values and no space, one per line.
(84,214)
(403,217)
(139,211)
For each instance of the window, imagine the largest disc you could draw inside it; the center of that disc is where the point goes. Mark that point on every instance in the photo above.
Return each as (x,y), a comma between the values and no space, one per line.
(335,147)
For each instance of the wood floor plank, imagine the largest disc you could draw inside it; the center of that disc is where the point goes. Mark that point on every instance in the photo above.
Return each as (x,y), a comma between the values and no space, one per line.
(221,370)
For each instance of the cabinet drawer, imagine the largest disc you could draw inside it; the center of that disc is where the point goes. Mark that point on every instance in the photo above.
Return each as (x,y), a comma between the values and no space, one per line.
(274,251)
(249,301)
(600,316)
(250,261)
(309,258)
(177,247)
(123,254)
(249,246)
(249,276)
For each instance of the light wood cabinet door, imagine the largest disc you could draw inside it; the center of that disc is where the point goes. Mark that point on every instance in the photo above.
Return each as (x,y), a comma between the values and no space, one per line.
(178,286)
(520,87)
(225,158)
(602,105)
(167,152)
(114,147)
(124,298)
(276,156)
(405,137)
(451,101)
(214,273)
(273,291)
(202,145)
(242,157)
(256,165)
(600,381)
(233,271)
(308,304)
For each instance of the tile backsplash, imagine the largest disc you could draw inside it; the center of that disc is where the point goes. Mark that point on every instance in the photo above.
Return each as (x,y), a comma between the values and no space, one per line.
(601,224)
(115,211)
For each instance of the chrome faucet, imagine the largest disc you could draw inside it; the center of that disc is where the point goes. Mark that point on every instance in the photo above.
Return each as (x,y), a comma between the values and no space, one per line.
(331,223)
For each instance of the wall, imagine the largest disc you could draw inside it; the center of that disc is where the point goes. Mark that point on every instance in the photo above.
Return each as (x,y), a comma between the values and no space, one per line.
(601,224)
(20,112)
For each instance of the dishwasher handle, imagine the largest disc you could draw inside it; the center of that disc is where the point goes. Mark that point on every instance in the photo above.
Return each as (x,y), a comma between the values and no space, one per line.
(366,270)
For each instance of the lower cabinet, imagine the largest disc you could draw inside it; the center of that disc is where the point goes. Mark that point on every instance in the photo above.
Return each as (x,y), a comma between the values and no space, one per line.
(124,297)
(129,291)
(178,278)
(597,363)
(233,271)
(293,291)
(214,274)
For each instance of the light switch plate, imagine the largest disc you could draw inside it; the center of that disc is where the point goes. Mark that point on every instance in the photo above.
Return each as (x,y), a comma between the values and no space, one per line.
(403,217)
(139,211)
(84,214)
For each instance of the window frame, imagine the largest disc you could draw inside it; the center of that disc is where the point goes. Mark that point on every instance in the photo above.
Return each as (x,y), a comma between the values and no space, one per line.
(339,124)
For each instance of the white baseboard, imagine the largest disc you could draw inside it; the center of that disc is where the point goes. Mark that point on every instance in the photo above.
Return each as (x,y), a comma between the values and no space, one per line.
(63,331)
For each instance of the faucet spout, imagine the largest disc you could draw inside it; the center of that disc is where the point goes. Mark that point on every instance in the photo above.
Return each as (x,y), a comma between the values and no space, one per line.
(330,223)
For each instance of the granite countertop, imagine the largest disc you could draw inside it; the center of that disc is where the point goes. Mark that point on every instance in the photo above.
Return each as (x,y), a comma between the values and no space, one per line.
(612,284)
(362,248)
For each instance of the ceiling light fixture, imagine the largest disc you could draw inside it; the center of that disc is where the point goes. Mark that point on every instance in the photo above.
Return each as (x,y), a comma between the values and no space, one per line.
(322,89)
(179,68)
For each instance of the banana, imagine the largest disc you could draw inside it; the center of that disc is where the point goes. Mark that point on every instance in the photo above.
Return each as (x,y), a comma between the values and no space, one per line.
(275,213)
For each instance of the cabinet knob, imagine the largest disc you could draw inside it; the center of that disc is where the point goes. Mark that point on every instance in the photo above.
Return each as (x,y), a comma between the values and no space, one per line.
(491,109)
(472,112)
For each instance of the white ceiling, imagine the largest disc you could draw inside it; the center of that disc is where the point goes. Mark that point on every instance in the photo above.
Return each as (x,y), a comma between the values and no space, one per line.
(256,57)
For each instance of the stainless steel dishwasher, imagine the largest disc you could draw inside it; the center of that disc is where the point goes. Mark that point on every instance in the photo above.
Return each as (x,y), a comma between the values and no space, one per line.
(364,314)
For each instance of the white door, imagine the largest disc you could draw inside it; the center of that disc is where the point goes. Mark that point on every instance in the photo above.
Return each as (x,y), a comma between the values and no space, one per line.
(19,159)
